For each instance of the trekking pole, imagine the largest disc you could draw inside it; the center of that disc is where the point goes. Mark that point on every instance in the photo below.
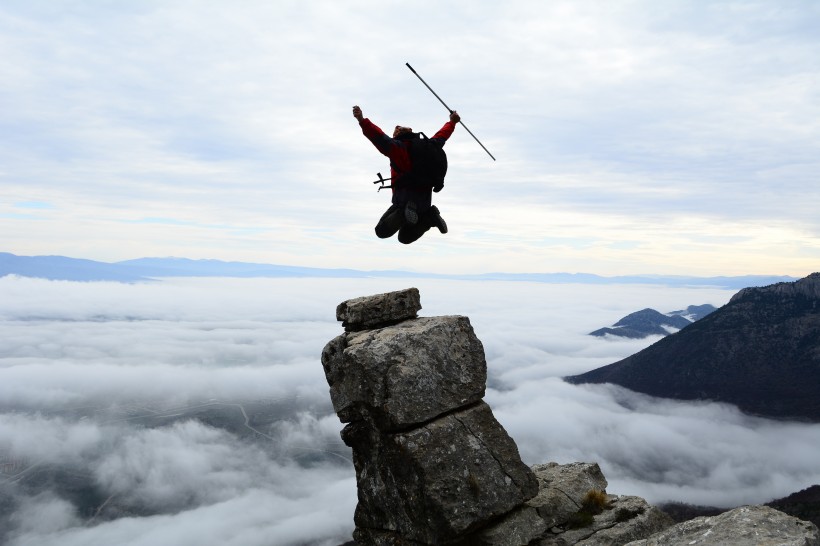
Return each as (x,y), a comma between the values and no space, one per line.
(448,109)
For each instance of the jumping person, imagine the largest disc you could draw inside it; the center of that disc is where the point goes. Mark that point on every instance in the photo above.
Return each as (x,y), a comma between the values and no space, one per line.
(411,213)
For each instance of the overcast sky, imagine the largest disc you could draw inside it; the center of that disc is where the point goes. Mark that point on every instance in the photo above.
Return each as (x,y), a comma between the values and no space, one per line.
(630,137)
(68,345)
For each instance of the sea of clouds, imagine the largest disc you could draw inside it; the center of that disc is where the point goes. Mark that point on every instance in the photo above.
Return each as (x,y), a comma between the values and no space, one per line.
(188,343)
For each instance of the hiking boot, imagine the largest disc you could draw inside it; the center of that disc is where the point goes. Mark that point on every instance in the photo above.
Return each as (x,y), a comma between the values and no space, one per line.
(437,220)
(410,213)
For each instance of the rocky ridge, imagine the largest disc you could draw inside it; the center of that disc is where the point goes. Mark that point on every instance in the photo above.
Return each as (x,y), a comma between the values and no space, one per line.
(433,465)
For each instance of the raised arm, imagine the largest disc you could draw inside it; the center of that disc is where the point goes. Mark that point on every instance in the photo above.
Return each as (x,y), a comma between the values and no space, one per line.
(444,133)
(389,147)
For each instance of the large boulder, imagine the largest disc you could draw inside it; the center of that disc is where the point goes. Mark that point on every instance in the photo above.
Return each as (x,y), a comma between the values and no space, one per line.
(440,481)
(406,374)
(562,489)
(563,502)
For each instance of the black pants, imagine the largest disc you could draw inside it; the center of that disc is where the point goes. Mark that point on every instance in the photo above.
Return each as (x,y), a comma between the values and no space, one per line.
(393,220)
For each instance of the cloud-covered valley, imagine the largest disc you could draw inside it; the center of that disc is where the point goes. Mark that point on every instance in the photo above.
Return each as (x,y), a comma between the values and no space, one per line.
(195,411)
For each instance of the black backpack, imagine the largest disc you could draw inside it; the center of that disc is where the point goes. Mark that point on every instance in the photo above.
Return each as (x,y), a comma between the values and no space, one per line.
(429,164)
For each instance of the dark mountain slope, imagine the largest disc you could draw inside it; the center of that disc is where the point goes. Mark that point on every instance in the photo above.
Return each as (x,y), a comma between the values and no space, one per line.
(760,351)
(803,504)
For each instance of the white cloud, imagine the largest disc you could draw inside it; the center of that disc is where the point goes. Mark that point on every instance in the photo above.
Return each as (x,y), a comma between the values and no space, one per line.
(47,440)
(44,514)
(205,486)
(179,466)
(660,449)
(222,345)
(254,518)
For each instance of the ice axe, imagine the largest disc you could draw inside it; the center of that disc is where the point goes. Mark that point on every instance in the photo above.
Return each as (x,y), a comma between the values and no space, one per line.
(448,109)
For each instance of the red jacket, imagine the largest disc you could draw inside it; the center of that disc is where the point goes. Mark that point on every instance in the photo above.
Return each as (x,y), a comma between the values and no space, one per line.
(397,150)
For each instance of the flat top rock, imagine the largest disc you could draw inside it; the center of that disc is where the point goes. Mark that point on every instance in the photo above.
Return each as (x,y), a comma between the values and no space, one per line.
(379,309)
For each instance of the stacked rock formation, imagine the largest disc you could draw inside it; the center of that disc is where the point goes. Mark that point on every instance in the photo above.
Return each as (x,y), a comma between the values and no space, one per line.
(433,465)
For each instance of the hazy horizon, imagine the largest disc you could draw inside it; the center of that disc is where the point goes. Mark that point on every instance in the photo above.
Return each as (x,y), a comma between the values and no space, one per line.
(58,267)
(234,342)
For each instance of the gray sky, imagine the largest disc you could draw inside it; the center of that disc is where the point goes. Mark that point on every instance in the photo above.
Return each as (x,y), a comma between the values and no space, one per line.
(631,137)
(67,345)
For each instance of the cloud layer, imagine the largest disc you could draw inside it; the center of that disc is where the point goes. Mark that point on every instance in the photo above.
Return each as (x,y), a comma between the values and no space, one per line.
(94,378)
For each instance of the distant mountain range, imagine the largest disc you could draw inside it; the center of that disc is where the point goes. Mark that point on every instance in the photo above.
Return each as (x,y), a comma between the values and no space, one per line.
(760,352)
(148,269)
(649,322)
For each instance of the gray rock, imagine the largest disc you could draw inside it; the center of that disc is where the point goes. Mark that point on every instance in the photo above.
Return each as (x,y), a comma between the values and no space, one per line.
(379,310)
(752,525)
(438,482)
(628,518)
(562,489)
(376,537)
(518,528)
(625,519)
(406,374)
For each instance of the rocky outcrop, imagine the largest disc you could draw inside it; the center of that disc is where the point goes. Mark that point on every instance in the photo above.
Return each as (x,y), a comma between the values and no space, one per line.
(573,502)
(758,525)
(434,466)
(760,352)
(807,289)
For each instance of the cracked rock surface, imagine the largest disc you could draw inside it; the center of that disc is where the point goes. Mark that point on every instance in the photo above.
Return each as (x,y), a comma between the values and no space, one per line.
(406,374)
(439,481)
